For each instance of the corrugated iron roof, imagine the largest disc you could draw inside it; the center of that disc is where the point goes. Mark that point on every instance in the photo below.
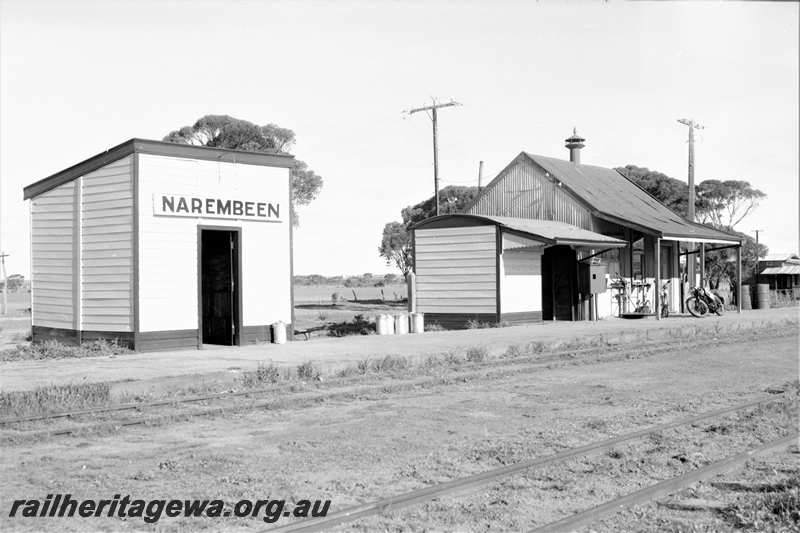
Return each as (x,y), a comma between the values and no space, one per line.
(548,231)
(785,270)
(558,232)
(613,196)
(792,258)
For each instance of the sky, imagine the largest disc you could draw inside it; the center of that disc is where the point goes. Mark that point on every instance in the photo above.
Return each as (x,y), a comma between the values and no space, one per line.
(79,77)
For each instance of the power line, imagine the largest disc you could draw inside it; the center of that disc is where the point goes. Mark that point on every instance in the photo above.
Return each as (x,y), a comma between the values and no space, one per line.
(433,114)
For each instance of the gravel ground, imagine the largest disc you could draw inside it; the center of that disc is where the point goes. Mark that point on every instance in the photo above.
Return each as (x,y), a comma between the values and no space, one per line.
(359,450)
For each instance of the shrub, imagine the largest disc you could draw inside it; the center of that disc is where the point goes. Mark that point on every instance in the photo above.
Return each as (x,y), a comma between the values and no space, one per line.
(452,358)
(433,326)
(390,363)
(477,354)
(358,326)
(307,371)
(263,374)
(513,351)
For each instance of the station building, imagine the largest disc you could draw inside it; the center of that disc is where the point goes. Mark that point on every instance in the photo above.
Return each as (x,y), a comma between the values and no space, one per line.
(551,239)
(162,246)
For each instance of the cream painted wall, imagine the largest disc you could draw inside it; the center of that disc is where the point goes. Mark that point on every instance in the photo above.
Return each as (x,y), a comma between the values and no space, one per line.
(521,282)
(168,245)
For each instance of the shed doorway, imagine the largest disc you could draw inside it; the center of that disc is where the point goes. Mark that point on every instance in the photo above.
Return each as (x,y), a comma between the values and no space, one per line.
(220,308)
(559,277)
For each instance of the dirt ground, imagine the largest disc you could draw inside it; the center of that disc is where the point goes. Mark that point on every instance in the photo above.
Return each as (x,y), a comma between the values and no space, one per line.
(359,450)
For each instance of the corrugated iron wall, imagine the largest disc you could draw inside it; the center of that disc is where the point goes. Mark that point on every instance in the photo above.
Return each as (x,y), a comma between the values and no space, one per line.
(524,191)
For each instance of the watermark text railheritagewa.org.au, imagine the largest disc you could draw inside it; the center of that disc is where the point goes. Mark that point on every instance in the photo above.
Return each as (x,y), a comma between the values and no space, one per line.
(151,511)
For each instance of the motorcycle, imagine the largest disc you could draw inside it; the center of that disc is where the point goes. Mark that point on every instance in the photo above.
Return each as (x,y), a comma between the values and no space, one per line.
(703,301)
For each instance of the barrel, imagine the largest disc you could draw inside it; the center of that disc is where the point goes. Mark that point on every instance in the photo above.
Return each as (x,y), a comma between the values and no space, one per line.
(417,322)
(400,324)
(746,297)
(384,324)
(762,296)
(279,333)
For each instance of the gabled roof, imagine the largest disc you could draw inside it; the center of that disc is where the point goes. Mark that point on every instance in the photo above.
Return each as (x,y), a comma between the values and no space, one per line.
(146,146)
(611,196)
(781,257)
(547,231)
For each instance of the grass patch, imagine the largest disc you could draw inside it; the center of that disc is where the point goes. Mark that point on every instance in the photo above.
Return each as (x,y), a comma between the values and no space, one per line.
(452,359)
(390,363)
(767,510)
(308,372)
(264,374)
(54,398)
(477,354)
(515,350)
(56,350)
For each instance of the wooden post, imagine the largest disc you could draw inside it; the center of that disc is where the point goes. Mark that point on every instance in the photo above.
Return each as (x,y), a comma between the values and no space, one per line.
(657,291)
(739,278)
(411,285)
(702,264)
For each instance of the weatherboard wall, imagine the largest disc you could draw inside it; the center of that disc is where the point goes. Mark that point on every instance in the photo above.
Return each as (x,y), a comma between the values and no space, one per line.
(168,245)
(456,272)
(106,244)
(54,267)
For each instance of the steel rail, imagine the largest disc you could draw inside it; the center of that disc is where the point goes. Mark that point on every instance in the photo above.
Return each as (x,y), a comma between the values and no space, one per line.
(536,361)
(663,488)
(469,483)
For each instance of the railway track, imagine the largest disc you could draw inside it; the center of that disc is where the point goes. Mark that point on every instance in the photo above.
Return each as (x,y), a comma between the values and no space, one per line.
(280,397)
(462,486)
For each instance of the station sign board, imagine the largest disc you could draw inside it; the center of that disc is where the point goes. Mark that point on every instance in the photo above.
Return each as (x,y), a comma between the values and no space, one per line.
(182,205)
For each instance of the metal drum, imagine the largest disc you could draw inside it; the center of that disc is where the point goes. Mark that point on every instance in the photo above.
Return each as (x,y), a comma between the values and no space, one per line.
(762,296)
(746,297)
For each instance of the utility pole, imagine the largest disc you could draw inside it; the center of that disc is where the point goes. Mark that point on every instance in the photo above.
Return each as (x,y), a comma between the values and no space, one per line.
(480,175)
(433,108)
(690,208)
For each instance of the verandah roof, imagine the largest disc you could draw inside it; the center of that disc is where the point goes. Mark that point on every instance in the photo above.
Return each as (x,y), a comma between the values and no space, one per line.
(547,231)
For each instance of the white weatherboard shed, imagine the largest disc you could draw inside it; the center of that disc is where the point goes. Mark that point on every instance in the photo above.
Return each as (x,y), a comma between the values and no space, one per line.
(162,245)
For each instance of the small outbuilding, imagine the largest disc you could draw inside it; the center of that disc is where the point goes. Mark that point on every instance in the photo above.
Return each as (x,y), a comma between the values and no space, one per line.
(159,245)
(782,272)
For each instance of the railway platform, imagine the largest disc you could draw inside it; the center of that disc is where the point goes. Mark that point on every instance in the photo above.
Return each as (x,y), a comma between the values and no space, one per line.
(143,372)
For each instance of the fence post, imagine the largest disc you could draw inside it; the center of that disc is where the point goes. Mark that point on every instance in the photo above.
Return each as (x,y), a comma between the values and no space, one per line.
(411,285)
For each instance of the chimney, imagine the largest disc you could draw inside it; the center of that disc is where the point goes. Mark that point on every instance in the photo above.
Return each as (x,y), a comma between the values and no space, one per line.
(575,143)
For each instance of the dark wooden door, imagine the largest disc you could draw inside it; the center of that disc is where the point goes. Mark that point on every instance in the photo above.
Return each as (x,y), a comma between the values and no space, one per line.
(559,279)
(218,267)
